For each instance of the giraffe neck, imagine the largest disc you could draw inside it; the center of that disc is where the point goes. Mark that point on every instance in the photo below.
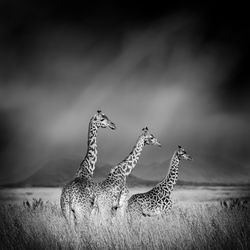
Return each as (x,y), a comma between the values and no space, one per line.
(124,168)
(167,184)
(87,166)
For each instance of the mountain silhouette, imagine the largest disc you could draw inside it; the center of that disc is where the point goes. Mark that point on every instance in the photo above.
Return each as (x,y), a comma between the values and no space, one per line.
(58,172)
(203,170)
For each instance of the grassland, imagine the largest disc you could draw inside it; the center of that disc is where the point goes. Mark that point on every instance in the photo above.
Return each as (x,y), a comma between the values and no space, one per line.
(190,225)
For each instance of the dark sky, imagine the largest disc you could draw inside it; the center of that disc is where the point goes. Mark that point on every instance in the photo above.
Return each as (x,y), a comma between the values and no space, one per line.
(183,71)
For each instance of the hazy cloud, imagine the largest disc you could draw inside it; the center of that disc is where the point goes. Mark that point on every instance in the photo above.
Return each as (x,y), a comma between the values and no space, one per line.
(162,76)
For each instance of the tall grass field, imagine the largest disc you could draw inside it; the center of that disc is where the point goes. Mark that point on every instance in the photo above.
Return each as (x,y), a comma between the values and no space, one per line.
(39,224)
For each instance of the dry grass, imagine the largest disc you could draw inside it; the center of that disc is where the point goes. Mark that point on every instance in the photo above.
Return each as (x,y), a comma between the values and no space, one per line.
(194,225)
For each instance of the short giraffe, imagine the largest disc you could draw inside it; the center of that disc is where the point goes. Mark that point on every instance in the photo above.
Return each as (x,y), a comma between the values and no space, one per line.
(112,193)
(77,195)
(157,200)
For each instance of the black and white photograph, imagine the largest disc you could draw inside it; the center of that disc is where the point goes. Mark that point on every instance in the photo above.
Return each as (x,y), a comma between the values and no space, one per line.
(124,125)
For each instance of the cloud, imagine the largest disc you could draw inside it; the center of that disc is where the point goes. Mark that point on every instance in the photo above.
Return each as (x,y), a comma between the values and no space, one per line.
(161,76)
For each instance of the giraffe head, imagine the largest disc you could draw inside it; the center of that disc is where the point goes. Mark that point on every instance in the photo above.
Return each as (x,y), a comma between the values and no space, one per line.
(182,154)
(149,139)
(101,120)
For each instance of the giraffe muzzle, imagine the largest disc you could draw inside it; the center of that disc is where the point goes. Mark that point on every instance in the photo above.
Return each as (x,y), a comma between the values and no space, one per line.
(112,125)
(188,157)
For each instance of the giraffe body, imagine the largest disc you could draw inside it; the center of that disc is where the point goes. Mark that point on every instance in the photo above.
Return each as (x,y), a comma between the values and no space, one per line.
(157,200)
(77,198)
(112,194)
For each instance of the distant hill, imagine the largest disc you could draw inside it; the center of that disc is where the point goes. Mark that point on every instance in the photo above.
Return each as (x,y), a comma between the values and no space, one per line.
(203,170)
(53,173)
(58,172)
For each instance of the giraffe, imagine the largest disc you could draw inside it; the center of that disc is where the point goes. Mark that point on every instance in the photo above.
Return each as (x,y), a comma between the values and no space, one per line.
(112,192)
(157,200)
(77,196)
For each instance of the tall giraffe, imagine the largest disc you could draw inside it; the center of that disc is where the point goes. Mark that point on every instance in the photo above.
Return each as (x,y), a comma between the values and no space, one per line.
(87,165)
(157,200)
(77,195)
(112,192)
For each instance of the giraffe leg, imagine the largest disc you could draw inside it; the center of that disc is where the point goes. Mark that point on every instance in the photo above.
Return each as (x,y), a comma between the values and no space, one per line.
(134,211)
(71,218)
(122,202)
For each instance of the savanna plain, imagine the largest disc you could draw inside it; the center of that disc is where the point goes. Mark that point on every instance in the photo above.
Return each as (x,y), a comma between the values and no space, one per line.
(213,217)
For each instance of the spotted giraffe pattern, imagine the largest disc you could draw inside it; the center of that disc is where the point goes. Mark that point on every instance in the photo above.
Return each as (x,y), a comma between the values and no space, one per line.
(77,196)
(157,200)
(112,193)
(87,165)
